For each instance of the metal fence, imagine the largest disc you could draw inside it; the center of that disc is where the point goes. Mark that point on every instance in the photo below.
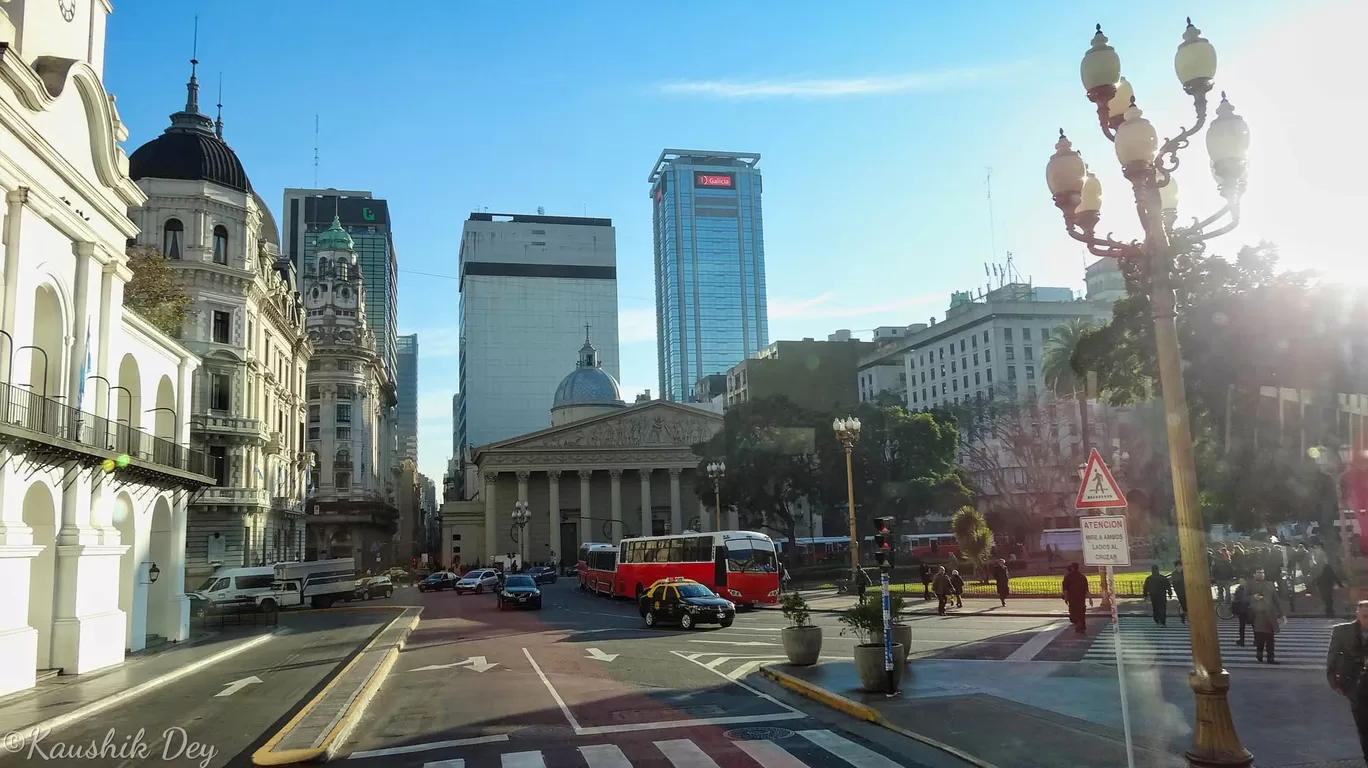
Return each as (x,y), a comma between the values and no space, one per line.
(22,408)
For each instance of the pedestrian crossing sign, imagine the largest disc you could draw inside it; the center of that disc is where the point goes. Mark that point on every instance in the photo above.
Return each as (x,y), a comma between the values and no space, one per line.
(1098,489)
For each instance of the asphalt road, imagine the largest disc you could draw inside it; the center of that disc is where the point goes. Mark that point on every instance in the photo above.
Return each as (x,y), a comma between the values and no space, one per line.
(582,682)
(214,717)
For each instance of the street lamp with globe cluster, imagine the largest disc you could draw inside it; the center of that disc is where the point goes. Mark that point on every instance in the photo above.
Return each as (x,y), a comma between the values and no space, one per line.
(717,470)
(1149,167)
(848,433)
(522,514)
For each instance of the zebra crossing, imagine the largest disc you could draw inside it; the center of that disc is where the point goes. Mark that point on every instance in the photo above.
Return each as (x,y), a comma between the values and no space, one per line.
(787,749)
(1302,643)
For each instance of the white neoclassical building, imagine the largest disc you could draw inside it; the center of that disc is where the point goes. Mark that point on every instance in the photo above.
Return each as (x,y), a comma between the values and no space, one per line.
(94,402)
(247,324)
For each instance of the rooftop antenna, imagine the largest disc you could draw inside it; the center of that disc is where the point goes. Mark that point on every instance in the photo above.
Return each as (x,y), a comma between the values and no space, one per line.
(992,226)
(218,121)
(192,97)
(315,150)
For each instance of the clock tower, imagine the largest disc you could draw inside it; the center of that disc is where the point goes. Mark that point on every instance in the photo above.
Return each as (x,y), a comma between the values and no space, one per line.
(55,30)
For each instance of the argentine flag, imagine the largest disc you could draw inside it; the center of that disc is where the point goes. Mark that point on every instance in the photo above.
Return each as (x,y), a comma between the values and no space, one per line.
(85,369)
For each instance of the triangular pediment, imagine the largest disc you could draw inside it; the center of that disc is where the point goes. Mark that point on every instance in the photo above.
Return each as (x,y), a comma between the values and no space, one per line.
(657,424)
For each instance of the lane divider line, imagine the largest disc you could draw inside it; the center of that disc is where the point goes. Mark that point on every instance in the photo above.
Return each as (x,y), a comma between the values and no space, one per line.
(554,693)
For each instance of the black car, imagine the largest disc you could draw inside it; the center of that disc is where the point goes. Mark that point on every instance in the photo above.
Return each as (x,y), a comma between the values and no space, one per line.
(542,574)
(438,582)
(520,591)
(686,603)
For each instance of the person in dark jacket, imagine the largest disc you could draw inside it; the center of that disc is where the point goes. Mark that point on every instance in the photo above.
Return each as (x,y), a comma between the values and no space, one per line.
(957,588)
(1004,581)
(1344,666)
(926,580)
(1325,582)
(1075,588)
(940,584)
(1239,605)
(1157,590)
(1179,586)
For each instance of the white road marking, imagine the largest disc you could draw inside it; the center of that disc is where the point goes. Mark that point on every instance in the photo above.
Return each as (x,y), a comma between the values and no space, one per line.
(559,701)
(523,760)
(428,747)
(730,642)
(595,653)
(766,753)
(604,756)
(237,685)
(454,763)
(1036,644)
(761,694)
(603,730)
(683,753)
(849,751)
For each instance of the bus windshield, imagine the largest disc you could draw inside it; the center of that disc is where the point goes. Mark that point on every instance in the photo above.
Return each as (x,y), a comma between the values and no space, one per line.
(751,556)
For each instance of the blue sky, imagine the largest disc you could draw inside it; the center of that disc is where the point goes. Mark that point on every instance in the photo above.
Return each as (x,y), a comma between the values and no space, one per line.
(877,123)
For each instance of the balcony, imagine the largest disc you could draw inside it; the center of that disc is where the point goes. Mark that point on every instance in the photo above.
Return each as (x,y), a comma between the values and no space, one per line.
(289,504)
(227,425)
(274,442)
(48,430)
(241,497)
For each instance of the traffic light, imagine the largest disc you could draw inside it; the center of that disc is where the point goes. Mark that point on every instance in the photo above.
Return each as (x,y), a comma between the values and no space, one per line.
(883,541)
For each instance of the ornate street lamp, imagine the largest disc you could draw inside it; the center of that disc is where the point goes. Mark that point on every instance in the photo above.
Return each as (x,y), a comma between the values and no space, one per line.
(522,514)
(1149,166)
(717,470)
(848,432)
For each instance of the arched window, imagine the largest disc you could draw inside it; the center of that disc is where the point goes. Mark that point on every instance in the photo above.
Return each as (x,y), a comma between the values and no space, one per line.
(173,236)
(220,244)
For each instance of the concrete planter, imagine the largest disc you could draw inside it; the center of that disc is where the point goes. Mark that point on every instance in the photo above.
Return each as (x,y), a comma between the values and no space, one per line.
(869,665)
(902,635)
(802,645)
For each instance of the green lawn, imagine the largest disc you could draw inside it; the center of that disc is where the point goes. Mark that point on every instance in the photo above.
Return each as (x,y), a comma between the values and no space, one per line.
(1127,585)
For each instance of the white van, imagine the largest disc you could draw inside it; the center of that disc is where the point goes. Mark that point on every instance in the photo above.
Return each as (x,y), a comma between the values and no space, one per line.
(232,585)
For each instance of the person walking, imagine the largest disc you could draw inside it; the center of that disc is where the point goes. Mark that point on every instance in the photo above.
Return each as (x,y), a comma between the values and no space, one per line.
(1325,583)
(1075,593)
(940,584)
(1157,590)
(1179,586)
(1004,581)
(926,580)
(957,588)
(1344,666)
(1267,615)
(1239,606)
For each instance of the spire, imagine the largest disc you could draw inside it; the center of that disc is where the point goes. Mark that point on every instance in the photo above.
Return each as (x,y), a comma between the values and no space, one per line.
(192,87)
(588,356)
(218,121)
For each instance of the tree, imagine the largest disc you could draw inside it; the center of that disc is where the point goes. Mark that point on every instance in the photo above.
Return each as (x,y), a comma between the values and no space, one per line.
(974,537)
(1058,371)
(156,291)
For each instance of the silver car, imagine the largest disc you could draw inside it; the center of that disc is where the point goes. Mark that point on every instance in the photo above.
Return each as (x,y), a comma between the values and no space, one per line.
(478,581)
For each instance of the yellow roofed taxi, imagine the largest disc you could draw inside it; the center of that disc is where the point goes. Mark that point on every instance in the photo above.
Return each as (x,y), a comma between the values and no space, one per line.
(684,602)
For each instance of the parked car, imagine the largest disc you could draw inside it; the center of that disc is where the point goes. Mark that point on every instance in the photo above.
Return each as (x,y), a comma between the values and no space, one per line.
(520,591)
(373,588)
(438,581)
(477,581)
(542,574)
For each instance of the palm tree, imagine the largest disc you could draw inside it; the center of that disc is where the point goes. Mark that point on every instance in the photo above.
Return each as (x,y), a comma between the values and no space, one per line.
(974,537)
(1059,374)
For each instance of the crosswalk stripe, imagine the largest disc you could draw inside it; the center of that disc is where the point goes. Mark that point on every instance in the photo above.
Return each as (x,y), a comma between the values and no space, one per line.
(523,760)
(457,763)
(683,753)
(770,755)
(604,756)
(856,755)
(1302,643)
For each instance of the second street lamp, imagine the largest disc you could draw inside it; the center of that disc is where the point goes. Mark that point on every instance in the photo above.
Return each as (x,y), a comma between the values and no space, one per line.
(717,470)
(522,514)
(848,432)
(1149,167)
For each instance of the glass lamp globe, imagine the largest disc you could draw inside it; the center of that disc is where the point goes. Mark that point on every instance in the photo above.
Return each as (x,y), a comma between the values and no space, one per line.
(1195,61)
(1091,200)
(1065,172)
(1227,139)
(1101,65)
(1136,139)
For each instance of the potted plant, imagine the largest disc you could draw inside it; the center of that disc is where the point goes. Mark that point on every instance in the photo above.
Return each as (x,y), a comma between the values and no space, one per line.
(802,640)
(865,620)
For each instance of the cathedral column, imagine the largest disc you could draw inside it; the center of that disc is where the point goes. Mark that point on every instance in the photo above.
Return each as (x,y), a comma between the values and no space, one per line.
(491,481)
(553,516)
(676,505)
(585,477)
(647,528)
(616,513)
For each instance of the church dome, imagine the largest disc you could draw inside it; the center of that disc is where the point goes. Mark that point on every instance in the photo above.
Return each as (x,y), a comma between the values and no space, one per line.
(588,384)
(191,149)
(335,238)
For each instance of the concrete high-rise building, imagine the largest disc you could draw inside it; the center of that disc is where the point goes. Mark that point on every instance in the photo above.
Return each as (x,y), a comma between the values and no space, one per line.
(709,265)
(529,286)
(366,219)
(406,380)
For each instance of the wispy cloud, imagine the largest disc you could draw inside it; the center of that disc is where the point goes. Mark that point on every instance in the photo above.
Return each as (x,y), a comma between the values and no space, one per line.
(831,88)
(636,324)
(823,307)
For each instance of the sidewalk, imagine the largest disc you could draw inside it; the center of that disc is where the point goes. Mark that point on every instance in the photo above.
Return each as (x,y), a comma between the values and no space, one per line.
(66,698)
(1061,715)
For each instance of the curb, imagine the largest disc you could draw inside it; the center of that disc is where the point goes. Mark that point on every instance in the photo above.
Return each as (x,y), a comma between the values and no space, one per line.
(81,713)
(349,717)
(863,712)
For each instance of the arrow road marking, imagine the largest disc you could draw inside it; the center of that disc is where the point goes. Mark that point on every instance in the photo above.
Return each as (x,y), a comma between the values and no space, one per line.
(729,642)
(237,685)
(477,663)
(595,653)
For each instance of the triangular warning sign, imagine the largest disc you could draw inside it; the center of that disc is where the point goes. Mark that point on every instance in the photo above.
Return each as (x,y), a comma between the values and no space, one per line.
(1098,489)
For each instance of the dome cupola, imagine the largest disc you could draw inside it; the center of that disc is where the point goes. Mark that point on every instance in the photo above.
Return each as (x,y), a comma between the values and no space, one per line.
(335,238)
(587,391)
(191,149)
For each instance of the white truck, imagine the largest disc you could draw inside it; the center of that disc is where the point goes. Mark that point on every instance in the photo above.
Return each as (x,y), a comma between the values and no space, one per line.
(318,583)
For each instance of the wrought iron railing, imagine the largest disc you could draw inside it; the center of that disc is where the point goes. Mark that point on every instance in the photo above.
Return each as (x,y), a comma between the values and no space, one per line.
(21,408)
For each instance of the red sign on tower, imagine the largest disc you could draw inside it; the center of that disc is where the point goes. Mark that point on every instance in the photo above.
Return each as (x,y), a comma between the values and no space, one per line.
(1098,489)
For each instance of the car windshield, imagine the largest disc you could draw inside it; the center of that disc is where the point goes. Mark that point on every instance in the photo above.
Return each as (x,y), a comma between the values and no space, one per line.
(750,556)
(695,590)
(521,581)
(473,575)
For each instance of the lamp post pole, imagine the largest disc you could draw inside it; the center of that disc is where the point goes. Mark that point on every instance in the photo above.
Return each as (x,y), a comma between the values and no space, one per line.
(717,470)
(1149,168)
(848,432)
(522,513)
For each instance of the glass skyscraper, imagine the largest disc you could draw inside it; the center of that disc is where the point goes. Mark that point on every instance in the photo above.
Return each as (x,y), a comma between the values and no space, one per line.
(406,426)
(709,265)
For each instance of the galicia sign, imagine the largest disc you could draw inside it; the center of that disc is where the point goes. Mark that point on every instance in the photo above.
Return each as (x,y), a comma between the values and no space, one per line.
(723,180)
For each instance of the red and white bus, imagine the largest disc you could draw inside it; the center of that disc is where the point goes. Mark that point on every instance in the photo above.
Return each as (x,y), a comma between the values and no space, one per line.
(738,565)
(597,565)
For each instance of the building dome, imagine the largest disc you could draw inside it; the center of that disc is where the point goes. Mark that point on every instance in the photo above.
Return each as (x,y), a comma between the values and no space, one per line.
(588,384)
(191,149)
(335,238)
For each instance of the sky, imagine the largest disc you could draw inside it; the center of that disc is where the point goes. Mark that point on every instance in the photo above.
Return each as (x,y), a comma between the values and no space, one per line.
(903,143)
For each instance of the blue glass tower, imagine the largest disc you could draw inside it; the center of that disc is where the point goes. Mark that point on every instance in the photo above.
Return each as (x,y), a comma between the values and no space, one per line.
(709,265)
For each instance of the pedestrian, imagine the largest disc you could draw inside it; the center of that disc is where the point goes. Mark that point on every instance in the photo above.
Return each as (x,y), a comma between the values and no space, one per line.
(926,580)
(1075,593)
(1344,667)
(1267,615)
(785,578)
(957,588)
(1325,582)
(940,584)
(1239,605)
(1157,590)
(1179,586)
(1004,581)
